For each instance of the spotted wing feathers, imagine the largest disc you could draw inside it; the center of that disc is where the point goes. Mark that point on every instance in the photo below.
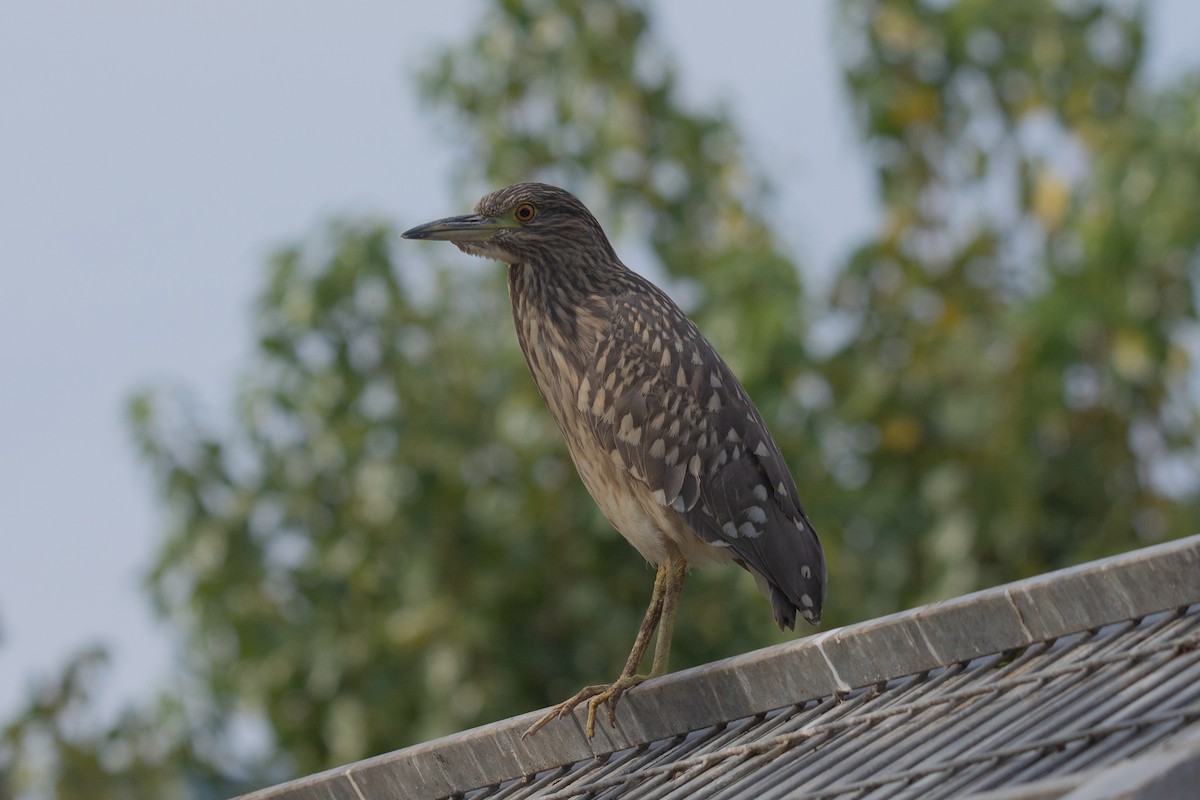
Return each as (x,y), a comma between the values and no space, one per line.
(668,409)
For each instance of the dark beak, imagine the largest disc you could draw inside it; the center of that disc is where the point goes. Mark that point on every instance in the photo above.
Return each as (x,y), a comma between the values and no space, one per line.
(467,228)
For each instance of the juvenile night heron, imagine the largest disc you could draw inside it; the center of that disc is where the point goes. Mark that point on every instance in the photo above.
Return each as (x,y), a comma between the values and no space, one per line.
(664,436)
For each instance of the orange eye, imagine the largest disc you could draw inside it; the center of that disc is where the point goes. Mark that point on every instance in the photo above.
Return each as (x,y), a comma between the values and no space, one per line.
(525,212)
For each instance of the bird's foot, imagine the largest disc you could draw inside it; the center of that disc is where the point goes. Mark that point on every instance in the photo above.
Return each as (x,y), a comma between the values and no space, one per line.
(595,696)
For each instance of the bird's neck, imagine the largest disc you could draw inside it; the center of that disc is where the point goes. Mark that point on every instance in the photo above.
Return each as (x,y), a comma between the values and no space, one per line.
(560,313)
(560,295)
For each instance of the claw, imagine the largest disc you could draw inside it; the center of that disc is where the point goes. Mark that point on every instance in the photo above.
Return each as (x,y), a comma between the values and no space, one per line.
(595,696)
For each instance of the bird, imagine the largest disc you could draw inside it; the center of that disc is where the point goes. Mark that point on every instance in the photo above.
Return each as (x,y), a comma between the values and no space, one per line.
(663,435)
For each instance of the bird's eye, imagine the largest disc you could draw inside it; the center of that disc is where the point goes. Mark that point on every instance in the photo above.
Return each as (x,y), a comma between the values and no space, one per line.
(525,212)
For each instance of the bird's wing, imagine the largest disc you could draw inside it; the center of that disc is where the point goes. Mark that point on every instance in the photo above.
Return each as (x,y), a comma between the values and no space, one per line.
(668,409)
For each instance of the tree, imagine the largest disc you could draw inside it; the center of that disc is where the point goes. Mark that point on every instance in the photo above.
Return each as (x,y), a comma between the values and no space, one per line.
(57,746)
(1016,386)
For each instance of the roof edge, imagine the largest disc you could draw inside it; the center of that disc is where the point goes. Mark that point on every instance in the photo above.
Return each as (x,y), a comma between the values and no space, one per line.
(1088,596)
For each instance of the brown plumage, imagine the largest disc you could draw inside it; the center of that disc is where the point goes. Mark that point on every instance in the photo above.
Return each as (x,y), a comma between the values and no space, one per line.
(663,435)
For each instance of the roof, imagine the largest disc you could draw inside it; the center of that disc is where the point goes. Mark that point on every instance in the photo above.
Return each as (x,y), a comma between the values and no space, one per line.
(1081,683)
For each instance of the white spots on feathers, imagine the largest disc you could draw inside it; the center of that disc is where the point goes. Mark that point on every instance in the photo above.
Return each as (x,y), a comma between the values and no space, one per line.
(746,530)
(628,432)
(585,388)
(805,571)
(679,424)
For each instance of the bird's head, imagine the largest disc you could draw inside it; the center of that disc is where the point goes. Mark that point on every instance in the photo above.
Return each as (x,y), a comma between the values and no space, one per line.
(523,223)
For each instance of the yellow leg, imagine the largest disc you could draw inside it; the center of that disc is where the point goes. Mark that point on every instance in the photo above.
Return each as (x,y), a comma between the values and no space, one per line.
(676,572)
(664,601)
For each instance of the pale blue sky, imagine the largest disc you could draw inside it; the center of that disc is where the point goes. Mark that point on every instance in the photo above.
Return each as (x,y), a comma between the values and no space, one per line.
(152,155)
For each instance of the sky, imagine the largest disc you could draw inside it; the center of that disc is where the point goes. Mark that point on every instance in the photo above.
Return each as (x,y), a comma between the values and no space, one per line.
(153,155)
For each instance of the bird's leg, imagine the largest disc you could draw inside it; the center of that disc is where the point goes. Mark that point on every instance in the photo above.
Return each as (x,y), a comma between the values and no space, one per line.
(668,582)
(677,571)
(649,623)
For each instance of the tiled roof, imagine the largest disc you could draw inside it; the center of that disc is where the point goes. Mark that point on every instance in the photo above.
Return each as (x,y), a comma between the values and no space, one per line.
(1082,683)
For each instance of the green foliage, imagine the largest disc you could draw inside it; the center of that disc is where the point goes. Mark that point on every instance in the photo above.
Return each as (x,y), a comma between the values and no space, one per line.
(341,558)
(55,746)
(390,543)
(1017,375)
